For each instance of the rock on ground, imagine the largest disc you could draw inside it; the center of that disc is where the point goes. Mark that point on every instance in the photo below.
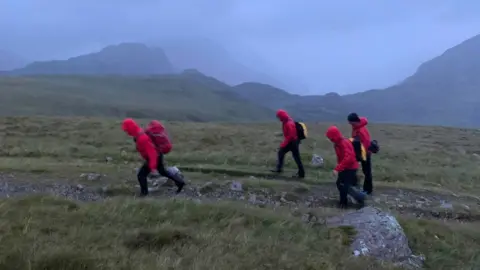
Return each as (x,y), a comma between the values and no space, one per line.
(317,161)
(379,235)
(91,176)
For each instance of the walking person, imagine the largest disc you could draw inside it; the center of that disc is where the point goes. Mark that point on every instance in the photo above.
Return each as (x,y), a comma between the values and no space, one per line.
(361,133)
(290,143)
(152,153)
(346,169)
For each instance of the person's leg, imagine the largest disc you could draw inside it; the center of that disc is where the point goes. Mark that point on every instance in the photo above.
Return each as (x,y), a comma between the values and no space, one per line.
(342,189)
(298,159)
(367,172)
(281,158)
(352,191)
(142,179)
(163,172)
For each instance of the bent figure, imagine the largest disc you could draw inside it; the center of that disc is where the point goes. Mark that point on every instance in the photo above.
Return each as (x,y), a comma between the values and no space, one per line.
(290,143)
(153,165)
(346,168)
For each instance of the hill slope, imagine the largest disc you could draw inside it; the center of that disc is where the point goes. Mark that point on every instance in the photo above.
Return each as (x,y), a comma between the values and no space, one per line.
(330,107)
(187,96)
(443,91)
(125,59)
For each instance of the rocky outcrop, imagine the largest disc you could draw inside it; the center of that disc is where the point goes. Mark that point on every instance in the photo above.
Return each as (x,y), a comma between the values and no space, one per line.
(379,235)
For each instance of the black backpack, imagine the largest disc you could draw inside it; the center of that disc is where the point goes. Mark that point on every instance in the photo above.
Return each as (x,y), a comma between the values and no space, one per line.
(301,130)
(374,147)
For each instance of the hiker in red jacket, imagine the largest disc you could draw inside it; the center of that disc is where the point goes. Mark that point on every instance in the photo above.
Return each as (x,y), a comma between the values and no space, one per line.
(290,143)
(360,132)
(151,153)
(346,169)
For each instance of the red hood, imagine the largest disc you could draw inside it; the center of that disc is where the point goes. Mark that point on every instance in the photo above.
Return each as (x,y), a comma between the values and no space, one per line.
(334,134)
(363,122)
(156,126)
(131,127)
(283,115)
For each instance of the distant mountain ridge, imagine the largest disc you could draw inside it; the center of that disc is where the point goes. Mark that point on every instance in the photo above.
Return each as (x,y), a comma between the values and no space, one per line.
(121,59)
(211,59)
(167,56)
(443,90)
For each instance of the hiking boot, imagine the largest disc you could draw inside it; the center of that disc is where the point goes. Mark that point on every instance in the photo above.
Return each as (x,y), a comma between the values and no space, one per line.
(360,204)
(179,182)
(276,171)
(180,187)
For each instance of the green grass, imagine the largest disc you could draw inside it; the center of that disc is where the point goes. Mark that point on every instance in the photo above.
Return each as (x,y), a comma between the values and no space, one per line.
(123,233)
(418,156)
(131,234)
(151,234)
(446,245)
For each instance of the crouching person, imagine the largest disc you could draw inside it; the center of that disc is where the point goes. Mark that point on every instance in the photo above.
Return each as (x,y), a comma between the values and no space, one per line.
(346,169)
(152,152)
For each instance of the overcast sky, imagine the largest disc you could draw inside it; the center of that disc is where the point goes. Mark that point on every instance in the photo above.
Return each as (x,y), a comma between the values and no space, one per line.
(342,46)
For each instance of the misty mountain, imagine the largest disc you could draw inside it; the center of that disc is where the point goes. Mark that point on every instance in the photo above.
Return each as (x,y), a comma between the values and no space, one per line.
(9,60)
(443,91)
(213,60)
(121,59)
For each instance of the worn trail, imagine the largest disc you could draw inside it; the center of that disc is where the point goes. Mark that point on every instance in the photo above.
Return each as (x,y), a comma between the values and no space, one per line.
(418,203)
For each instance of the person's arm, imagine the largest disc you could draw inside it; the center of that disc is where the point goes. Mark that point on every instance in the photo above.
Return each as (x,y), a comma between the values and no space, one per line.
(348,156)
(149,149)
(289,135)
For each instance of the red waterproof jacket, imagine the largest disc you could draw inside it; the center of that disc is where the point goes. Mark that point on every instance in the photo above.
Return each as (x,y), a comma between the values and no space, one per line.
(288,126)
(360,130)
(346,159)
(143,143)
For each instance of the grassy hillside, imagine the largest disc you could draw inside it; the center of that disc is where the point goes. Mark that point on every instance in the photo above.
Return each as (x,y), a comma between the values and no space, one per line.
(416,171)
(187,96)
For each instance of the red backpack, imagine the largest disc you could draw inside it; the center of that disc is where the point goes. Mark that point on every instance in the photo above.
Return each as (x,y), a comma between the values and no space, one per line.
(157,133)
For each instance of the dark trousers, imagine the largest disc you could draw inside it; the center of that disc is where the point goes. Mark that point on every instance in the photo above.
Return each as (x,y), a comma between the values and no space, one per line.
(345,182)
(145,171)
(295,149)
(367,172)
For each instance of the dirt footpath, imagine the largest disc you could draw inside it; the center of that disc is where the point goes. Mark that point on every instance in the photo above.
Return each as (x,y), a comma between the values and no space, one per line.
(418,203)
